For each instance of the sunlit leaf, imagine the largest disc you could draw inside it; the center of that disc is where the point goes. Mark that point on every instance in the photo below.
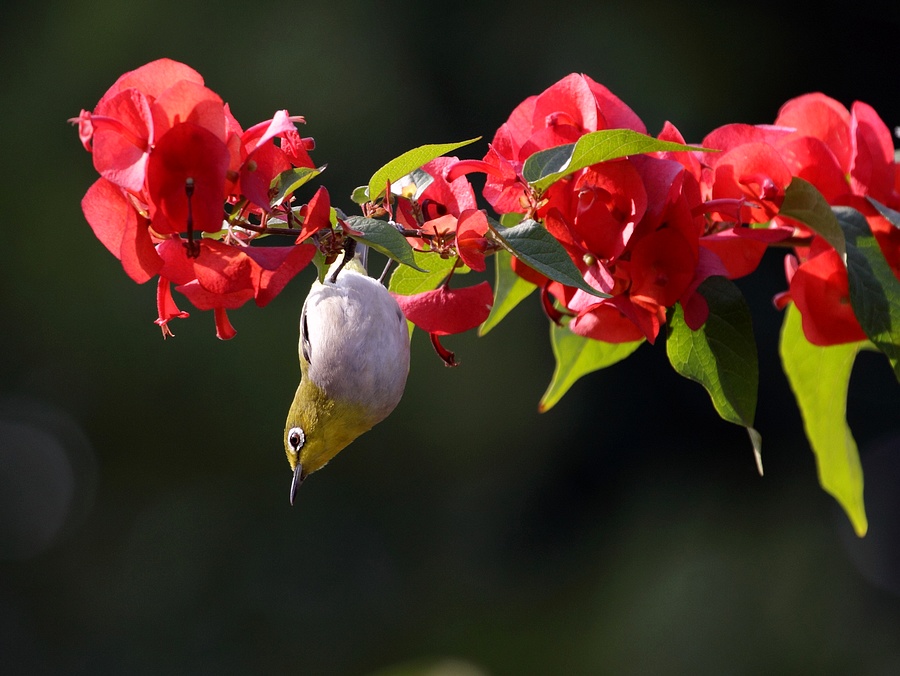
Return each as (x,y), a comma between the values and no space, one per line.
(400,166)
(408,280)
(509,291)
(819,377)
(577,356)
(721,355)
(290,180)
(545,167)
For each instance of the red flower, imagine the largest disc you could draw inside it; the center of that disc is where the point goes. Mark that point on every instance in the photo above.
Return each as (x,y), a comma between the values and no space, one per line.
(171,156)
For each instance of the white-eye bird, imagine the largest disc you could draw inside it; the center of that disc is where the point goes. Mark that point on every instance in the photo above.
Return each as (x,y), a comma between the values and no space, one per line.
(354,360)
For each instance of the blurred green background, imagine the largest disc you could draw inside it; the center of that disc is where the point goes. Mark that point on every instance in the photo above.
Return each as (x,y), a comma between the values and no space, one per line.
(144,519)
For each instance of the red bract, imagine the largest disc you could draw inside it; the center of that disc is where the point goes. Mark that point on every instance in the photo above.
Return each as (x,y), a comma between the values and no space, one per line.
(121,229)
(171,156)
(446,311)
(821,292)
(471,243)
(187,155)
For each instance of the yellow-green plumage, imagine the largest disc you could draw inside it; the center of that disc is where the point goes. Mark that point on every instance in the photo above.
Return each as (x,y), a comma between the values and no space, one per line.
(354,359)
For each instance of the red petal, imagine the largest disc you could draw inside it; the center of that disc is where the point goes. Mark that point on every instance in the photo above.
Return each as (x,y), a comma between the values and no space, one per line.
(446,311)
(165,306)
(187,101)
(820,290)
(154,78)
(470,241)
(662,267)
(203,299)
(614,111)
(119,228)
(280,124)
(605,322)
(318,214)
(275,267)
(177,266)
(872,171)
(822,117)
(222,269)
(224,329)
(188,151)
(257,172)
(123,127)
(446,355)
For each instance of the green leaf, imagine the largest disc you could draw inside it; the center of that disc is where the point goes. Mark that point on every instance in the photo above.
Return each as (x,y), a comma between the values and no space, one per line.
(892,216)
(290,180)
(874,290)
(804,203)
(576,356)
(407,280)
(820,377)
(321,266)
(530,242)
(360,194)
(544,168)
(409,161)
(509,291)
(384,238)
(721,355)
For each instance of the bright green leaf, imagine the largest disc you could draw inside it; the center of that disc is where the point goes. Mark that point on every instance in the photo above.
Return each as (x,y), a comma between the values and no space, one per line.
(530,242)
(545,167)
(290,180)
(509,291)
(321,266)
(360,194)
(819,377)
(384,238)
(407,280)
(803,202)
(577,356)
(721,355)
(874,290)
(409,161)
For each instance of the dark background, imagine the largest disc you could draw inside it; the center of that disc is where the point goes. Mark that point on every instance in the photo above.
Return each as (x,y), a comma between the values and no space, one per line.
(144,521)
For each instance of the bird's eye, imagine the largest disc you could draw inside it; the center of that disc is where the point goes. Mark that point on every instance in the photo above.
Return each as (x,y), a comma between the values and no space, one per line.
(296,439)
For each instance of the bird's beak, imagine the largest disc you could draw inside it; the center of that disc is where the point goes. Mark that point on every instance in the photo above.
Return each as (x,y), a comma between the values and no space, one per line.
(299,478)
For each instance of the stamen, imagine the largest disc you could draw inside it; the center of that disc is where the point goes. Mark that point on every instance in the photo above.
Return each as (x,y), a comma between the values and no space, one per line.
(193,248)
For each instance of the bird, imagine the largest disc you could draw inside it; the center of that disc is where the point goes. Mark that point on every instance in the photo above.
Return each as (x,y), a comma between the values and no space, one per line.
(354,363)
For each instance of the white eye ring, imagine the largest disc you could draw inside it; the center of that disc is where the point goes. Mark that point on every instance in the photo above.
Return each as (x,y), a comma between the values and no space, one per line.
(296,438)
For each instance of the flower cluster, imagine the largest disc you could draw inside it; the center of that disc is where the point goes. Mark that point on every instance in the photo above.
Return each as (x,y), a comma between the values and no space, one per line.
(648,229)
(178,176)
(643,230)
